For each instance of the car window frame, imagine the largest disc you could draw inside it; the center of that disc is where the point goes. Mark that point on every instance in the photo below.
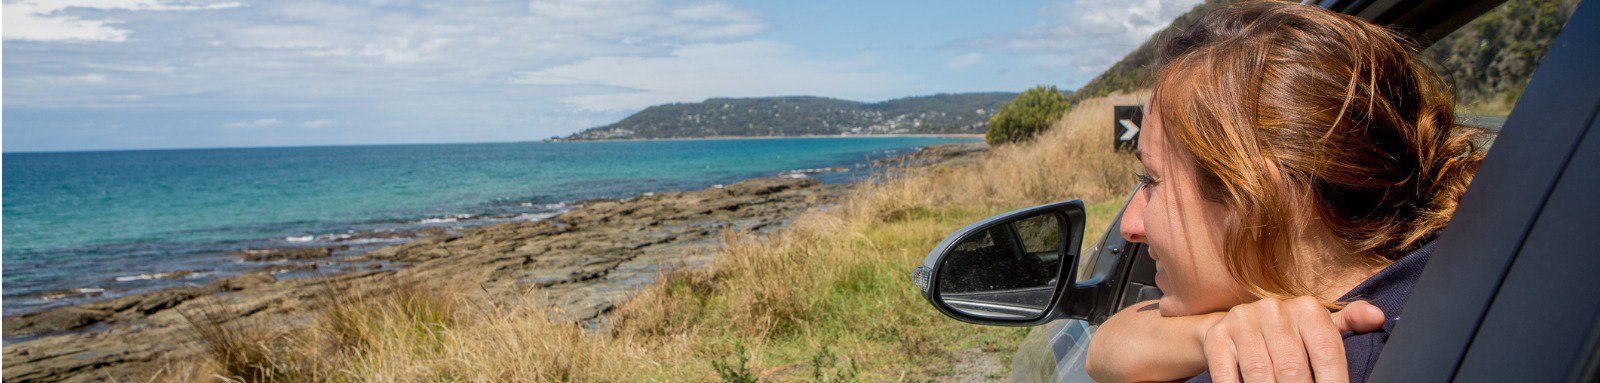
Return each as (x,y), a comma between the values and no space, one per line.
(1472,316)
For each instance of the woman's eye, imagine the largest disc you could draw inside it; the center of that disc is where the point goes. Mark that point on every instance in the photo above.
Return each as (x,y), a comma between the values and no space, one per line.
(1145,178)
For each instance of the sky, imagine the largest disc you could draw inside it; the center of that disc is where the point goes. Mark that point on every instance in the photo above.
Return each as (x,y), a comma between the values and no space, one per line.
(145,74)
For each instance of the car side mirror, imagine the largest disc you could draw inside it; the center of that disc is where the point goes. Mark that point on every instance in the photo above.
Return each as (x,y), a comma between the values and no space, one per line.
(1013,269)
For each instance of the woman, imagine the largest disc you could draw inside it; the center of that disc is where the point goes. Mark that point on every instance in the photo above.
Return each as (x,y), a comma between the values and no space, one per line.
(1299,163)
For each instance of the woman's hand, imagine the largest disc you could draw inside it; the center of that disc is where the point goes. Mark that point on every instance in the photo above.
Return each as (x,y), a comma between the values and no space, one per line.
(1284,341)
(1138,344)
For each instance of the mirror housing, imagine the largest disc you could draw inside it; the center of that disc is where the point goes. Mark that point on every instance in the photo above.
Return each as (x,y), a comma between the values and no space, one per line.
(934,278)
(1116,274)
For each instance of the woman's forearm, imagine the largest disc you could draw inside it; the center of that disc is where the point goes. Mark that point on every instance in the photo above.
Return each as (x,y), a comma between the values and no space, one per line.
(1139,345)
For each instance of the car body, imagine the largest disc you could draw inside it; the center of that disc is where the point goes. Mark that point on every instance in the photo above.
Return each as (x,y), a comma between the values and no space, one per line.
(1504,297)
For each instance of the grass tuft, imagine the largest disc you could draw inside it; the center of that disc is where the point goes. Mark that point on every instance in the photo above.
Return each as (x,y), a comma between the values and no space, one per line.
(825,298)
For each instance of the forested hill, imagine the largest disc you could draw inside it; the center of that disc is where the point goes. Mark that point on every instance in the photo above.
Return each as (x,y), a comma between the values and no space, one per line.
(1492,58)
(1489,59)
(806,115)
(1134,70)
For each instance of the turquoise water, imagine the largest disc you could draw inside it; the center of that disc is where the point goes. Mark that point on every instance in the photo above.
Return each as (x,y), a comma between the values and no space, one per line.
(82,220)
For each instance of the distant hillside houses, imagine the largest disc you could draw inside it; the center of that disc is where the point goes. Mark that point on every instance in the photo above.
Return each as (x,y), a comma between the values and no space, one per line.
(805,116)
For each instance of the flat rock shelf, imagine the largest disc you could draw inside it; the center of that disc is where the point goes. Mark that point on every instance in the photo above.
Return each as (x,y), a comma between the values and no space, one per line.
(582,263)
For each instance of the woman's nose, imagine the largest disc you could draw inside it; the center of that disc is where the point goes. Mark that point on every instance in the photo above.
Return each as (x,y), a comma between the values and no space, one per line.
(1133,217)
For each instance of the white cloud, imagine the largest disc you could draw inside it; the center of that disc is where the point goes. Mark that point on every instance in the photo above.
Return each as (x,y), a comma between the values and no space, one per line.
(131,68)
(81,79)
(694,20)
(545,78)
(481,70)
(318,123)
(448,60)
(261,123)
(1089,35)
(965,61)
(50,20)
(485,31)
(697,72)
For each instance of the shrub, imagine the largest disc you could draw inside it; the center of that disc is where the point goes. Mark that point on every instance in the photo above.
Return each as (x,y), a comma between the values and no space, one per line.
(1027,115)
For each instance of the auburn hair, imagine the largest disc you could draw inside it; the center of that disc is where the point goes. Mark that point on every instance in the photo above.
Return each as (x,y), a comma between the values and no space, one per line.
(1296,117)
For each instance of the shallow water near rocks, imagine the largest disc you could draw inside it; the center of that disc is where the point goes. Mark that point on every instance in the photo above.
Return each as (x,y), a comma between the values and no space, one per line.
(122,222)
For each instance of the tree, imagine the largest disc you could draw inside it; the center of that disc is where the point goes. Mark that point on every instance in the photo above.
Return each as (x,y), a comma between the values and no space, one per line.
(1027,115)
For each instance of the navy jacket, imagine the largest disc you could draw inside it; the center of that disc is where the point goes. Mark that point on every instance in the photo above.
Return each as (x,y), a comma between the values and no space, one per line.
(1388,289)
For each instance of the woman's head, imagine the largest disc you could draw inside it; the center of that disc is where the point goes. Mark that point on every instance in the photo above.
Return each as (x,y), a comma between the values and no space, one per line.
(1288,144)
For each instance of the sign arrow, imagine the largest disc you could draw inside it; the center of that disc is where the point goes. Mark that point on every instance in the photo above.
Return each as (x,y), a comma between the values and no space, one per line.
(1132,130)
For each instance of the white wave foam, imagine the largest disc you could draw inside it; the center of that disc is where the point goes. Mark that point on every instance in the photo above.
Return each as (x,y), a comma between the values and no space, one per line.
(81,292)
(140,277)
(448,219)
(334,237)
(804,173)
(533,216)
(146,277)
(303,238)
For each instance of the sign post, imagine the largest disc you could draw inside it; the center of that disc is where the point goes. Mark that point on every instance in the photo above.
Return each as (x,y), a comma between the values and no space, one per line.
(1125,133)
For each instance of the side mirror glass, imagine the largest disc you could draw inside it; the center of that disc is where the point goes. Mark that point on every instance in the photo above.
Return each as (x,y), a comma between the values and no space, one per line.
(1010,269)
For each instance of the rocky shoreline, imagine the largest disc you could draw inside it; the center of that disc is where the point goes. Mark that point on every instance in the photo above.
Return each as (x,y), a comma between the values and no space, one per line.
(582,262)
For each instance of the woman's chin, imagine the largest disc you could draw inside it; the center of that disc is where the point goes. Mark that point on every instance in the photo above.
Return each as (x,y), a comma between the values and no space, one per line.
(1171,306)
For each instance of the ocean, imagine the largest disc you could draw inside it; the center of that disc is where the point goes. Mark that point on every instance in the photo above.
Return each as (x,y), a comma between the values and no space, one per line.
(95,225)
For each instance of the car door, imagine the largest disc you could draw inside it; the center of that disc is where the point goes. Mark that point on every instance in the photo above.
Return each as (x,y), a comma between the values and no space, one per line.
(1523,235)
(1055,352)
(1508,297)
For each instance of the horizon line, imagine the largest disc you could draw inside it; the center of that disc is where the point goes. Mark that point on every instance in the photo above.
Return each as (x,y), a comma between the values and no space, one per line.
(533,141)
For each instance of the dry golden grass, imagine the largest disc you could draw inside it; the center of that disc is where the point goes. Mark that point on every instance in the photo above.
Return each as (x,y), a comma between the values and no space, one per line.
(826,298)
